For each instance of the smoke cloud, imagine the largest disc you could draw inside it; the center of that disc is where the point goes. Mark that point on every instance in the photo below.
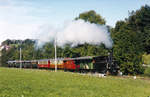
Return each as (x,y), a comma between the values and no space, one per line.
(77,32)
(44,34)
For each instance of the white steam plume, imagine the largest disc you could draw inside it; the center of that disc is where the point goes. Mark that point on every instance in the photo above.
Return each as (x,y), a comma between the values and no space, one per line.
(44,34)
(79,32)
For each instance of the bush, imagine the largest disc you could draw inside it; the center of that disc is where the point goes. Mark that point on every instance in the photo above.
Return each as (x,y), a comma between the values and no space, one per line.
(147,71)
(146,59)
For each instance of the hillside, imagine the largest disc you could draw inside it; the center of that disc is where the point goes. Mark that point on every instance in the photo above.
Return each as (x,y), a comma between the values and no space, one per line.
(42,83)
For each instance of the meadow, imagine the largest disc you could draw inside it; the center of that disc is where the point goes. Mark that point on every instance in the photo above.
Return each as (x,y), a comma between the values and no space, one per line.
(46,83)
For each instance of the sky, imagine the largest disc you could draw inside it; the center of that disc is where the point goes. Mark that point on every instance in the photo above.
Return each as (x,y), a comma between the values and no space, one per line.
(21,19)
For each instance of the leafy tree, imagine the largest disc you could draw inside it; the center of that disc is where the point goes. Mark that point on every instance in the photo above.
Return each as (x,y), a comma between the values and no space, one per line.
(7,42)
(48,50)
(92,17)
(7,55)
(128,51)
(131,40)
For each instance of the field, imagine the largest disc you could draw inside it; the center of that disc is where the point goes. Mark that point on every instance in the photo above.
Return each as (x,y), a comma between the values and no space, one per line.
(42,83)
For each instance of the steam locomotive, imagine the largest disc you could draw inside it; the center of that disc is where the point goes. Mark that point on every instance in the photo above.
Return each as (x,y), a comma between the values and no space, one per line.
(100,64)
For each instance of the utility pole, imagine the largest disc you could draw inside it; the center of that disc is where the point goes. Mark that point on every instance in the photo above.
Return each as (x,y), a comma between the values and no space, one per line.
(55,54)
(20,59)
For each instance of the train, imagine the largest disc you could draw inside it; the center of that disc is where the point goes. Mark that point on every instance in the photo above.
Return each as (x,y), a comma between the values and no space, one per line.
(99,64)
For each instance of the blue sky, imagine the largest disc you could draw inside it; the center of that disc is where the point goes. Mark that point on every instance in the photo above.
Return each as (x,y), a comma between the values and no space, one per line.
(20,19)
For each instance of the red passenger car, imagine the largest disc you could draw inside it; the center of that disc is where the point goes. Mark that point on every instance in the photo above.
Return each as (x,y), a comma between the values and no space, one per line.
(44,64)
(70,65)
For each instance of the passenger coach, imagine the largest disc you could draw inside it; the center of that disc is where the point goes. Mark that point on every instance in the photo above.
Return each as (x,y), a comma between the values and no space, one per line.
(100,64)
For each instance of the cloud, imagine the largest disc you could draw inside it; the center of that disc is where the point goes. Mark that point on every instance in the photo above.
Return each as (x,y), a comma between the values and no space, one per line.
(16,31)
(17,20)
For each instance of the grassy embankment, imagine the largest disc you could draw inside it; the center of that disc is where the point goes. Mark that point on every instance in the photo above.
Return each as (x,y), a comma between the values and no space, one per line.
(42,83)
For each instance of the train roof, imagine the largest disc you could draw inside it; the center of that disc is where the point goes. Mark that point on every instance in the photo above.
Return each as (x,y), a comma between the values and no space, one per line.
(79,58)
(58,59)
(18,61)
(65,59)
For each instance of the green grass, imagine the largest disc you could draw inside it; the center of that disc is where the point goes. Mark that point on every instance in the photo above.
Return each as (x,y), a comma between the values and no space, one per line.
(42,83)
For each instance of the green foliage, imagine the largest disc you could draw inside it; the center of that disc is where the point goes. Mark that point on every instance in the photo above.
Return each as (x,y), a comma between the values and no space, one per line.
(140,22)
(146,59)
(41,83)
(84,50)
(14,52)
(131,40)
(127,50)
(8,55)
(47,51)
(92,17)
(147,71)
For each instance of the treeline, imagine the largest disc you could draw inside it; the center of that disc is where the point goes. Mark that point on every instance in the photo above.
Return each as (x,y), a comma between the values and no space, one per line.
(131,40)
(31,52)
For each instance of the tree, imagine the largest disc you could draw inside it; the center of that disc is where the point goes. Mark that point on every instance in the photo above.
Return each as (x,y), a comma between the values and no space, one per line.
(132,39)
(128,51)
(7,55)
(92,17)
(48,50)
